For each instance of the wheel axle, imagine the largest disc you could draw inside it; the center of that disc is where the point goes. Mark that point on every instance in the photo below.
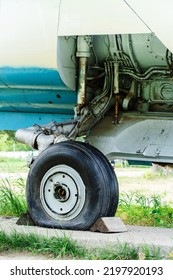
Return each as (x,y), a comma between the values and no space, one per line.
(61,192)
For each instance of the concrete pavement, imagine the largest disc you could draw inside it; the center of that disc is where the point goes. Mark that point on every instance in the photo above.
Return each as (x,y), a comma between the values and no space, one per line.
(135,235)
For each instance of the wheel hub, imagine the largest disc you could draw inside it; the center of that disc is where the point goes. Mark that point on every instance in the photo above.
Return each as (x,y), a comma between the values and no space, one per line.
(62,192)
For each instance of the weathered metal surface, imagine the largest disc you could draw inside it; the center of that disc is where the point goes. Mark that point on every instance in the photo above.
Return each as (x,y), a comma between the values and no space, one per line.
(142,138)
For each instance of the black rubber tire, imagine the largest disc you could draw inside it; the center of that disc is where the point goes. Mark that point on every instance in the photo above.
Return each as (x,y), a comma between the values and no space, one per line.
(111,184)
(97,175)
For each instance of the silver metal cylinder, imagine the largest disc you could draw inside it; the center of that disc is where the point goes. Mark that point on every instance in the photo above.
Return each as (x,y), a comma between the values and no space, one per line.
(34,139)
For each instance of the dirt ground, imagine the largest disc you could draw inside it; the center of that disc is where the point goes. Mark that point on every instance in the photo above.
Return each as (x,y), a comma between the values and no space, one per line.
(21,256)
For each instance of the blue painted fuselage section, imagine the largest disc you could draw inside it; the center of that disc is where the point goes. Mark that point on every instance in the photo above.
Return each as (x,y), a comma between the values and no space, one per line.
(33,95)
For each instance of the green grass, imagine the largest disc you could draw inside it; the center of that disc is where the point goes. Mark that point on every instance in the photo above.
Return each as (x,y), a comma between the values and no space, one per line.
(52,247)
(13,165)
(138,209)
(65,248)
(12,197)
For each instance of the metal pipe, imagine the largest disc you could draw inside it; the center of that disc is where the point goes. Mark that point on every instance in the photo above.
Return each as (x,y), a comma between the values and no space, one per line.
(81,97)
(146,75)
(83,52)
(116,77)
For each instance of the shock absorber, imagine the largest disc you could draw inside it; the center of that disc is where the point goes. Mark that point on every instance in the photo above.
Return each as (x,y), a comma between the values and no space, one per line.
(116,90)
(83,52)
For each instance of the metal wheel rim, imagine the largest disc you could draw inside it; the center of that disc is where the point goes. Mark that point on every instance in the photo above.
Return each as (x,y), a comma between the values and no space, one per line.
(62,192)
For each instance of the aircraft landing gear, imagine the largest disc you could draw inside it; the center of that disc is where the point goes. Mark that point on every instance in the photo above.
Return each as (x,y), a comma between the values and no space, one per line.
(70,185)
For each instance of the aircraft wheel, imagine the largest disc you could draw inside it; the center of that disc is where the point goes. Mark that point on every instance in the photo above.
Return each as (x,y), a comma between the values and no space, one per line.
(70,185)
